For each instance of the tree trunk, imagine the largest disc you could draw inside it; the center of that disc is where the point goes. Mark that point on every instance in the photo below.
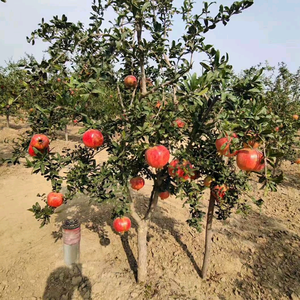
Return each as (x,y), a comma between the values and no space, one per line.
(66,133)
(142,251)
(7,120)
(208,235)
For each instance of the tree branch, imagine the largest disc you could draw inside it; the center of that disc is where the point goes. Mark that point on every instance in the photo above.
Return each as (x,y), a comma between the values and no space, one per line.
(134,214)
(164,84)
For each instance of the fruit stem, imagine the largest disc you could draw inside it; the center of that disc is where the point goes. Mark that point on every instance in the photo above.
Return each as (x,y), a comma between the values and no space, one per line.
(208,235)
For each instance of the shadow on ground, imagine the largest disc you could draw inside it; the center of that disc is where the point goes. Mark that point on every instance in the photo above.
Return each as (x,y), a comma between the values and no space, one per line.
(64,281)
(93,217)
(269,252)
(273,258)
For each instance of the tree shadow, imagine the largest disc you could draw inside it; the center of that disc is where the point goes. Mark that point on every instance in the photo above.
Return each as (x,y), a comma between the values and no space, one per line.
(63,281)
(96,218)
(130,256)
(93,217)
(164,222)
(170,224)
(71,137)
(291,181)
(273,258)
(16,126)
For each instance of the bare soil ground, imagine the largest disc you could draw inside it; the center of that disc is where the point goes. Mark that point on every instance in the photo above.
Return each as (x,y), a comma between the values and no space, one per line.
(253,257)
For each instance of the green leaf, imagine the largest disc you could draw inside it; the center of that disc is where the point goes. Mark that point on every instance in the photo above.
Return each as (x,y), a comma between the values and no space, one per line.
(205,66)
(145,6)
(202,92)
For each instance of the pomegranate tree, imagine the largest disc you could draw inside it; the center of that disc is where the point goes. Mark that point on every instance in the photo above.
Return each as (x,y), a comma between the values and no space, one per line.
(214,106)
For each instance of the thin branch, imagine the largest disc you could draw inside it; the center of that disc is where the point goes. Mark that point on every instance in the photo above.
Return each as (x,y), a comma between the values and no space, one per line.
(132,208)
(133,96)
(152,204)
(139,28)
(265,159)
(160,108)
(164,84)
(209,109)
(154,194)
(120,98)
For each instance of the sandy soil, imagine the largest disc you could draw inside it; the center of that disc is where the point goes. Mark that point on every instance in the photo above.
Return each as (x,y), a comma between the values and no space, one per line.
(253,257)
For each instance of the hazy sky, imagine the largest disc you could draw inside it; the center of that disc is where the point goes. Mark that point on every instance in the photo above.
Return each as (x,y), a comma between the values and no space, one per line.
(269,30)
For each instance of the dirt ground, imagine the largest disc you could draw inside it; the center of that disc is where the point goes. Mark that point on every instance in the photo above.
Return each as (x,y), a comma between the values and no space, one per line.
(253,257)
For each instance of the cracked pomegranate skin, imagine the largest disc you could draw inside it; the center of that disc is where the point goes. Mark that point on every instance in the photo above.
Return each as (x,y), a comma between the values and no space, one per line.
(250,160)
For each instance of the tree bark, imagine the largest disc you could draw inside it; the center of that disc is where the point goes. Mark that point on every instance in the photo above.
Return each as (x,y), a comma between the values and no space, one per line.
(142,251)
(7,120)
(66,133)
(208,235)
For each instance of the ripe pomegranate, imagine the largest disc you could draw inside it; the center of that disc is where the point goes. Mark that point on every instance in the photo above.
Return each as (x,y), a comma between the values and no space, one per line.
(137,183)
(40,141)
(225,141)
(297,161)
(55,199)
(75,121)
(179,123)
(219,192)
(295,117)
(207,181)
(32,153)
(122,224)
(58,80)
(182,170)
(277,128)
(164,195)
(157,156)
(130,81)
(93,138)
(250,160)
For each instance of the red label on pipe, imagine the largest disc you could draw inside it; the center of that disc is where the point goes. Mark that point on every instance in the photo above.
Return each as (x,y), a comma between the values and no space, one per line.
(71,237)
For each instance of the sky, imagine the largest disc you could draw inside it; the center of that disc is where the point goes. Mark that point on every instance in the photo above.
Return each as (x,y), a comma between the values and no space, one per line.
(268,30)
